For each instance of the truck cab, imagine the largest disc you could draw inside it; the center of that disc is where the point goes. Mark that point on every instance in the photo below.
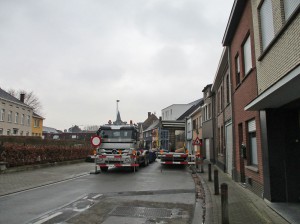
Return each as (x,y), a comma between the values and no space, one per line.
(119,147)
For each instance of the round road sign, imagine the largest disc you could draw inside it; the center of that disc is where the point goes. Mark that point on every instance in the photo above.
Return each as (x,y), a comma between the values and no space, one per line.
(96,141)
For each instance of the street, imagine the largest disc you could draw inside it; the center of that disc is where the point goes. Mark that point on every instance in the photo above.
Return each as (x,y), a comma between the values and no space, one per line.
(149,194)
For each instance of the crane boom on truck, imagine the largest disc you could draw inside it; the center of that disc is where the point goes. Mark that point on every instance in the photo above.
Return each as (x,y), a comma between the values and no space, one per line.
(119,146)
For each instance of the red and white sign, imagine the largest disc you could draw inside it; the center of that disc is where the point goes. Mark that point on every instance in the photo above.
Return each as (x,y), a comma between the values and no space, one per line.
(96,141)
(197,141)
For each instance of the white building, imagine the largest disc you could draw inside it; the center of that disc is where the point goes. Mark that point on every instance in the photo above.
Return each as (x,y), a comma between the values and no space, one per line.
(174,111)
(15,115)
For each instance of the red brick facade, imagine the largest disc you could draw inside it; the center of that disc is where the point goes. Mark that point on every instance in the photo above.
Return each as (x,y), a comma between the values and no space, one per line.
(244,91)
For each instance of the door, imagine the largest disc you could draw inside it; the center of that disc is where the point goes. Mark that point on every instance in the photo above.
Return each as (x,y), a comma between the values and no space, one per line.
(207,149)
(229,153)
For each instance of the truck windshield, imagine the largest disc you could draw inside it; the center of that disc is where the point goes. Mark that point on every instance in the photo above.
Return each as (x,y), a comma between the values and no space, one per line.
(117,134)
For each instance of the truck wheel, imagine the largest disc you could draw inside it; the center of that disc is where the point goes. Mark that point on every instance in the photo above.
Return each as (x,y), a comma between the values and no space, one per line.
(104,169)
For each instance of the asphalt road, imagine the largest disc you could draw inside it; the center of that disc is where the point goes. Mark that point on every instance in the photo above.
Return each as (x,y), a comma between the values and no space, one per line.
(118,196)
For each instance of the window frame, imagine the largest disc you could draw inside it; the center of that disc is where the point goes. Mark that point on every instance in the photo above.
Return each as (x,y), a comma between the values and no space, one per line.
(237,70)
(251,134)
(265,40)
(2,114)
(247,56)
(292,8)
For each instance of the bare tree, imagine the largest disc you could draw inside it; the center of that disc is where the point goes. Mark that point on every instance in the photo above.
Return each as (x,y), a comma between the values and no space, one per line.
(30,99)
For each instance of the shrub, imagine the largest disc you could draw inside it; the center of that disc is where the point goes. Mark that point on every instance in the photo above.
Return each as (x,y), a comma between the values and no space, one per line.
(16,154)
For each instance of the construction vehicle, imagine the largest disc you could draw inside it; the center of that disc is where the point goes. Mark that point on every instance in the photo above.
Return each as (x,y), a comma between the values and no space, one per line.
(119,146)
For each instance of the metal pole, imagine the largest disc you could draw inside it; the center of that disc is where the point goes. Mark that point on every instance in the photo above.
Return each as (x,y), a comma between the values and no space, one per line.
(117,108)
(216,182)
(224,203)
(201,166)
(209,172)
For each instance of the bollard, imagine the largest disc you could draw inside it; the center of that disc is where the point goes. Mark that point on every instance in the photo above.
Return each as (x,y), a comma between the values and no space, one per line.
(216,182)
(209,172)
(201,168)
(224,203)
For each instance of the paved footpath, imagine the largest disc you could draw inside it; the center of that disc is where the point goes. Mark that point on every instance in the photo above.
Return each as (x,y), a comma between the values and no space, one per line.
(13,180)
(243,205)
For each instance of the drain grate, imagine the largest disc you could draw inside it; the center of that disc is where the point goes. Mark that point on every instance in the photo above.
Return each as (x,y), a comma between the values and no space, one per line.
(144,212)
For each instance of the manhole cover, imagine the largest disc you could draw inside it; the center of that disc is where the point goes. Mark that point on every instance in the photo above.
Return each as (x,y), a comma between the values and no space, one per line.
(144,212)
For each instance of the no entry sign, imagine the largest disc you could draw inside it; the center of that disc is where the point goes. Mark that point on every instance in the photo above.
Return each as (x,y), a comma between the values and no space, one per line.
(96,141)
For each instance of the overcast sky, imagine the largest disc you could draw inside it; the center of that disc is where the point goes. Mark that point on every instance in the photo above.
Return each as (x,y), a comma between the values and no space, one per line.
(80,56)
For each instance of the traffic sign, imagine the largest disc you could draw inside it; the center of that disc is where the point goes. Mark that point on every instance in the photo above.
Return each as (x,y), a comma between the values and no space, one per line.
(96,141)
(197,141)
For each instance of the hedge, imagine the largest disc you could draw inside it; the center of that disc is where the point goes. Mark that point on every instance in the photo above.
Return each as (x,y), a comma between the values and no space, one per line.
(21,154)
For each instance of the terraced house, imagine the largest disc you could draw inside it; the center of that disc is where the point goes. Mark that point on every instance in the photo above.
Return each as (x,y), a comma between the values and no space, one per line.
(277,48)
(262,39)
(15,115)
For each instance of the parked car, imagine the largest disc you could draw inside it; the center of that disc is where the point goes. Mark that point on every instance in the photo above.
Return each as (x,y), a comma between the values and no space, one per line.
(152,155)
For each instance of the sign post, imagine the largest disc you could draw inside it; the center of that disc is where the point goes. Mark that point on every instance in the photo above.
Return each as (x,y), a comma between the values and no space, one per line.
(96,142)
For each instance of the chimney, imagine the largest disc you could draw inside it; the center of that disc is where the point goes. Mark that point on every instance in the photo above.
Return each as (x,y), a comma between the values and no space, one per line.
(22,97)
(149,114)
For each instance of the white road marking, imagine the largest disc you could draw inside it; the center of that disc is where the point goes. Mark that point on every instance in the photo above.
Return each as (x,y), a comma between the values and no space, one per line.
(48,218)
(97,196)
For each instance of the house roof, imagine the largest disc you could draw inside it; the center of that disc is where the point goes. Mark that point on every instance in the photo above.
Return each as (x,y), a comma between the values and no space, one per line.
(37,116)
(151,118)
(154,125)
(49,130)
(191,109)
(6,96)
(191,103)
(233,22)
(222,67)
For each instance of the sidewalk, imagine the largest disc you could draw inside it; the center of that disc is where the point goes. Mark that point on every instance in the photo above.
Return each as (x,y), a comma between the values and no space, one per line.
(243,205)
(17,179)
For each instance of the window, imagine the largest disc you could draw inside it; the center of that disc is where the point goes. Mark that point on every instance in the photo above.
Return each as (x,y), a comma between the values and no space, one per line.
(22,119)
(252,142)
(16,117)
(194,124)
(209,111)
(36,123)
(221,98)
(28,120)
(289,7)
(222,141)
(15,131)
(1,131)
(8,131)
(247,56)
(227,90)
(9,116)
(218,102)
(237,68)
(2,115)
(266,23)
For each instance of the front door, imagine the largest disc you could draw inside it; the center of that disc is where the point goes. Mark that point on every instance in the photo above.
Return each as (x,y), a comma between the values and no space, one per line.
(229,149)
(207,149)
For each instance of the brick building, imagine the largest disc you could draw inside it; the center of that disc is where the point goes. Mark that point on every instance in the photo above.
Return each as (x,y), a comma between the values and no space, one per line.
(239,38)
(221,89)
(277,48)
